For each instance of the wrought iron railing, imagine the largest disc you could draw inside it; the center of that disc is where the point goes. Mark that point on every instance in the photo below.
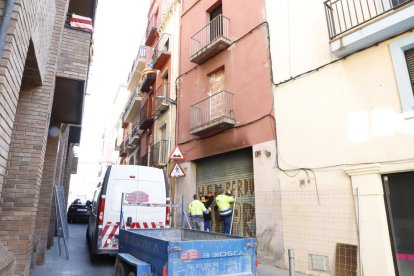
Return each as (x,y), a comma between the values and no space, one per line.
(144,113)
(344,15)
(160,152)
(142,54)
(163,46)
(130,103)
(217,106)
(135,130)
(218,27)
(162,91)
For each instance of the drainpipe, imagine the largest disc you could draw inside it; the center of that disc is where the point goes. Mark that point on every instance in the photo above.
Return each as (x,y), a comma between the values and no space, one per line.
(5,23)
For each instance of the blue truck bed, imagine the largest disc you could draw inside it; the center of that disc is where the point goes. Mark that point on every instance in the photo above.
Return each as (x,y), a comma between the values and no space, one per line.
(179,252)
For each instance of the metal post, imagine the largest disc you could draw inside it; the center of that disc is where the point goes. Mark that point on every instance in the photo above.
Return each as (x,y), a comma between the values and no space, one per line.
(182,211)
(291,254)
(359,233)
(232,214)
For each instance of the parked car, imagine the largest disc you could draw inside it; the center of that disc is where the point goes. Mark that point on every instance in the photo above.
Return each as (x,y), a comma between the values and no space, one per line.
(138,184)
(79,211)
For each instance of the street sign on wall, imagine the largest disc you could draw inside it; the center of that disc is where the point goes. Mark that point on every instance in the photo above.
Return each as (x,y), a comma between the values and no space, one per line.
(177,154)
(177,171)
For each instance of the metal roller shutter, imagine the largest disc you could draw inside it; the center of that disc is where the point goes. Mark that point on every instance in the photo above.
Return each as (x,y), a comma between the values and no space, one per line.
(230,171)
(409,57)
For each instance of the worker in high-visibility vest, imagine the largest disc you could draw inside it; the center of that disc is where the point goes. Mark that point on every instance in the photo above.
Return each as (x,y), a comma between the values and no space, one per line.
(223,203)
(196,209)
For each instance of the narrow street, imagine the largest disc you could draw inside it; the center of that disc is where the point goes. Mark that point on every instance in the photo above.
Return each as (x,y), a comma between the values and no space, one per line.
(79,262)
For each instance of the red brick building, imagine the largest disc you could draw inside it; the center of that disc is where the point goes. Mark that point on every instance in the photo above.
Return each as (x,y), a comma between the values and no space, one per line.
(43,77)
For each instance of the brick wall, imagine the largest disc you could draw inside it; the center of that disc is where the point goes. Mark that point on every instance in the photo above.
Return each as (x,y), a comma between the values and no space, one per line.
(46,197)
(25,119)
(74,55)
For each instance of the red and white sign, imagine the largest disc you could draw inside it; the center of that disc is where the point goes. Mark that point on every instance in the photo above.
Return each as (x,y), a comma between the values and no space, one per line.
(81,22)
(177,171)
(176,154)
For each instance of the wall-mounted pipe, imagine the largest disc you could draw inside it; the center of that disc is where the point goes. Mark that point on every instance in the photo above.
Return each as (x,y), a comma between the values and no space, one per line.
(5,23)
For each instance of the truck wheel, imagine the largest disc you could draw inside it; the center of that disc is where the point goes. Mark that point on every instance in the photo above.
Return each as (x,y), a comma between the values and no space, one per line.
(120,268)
(132,273)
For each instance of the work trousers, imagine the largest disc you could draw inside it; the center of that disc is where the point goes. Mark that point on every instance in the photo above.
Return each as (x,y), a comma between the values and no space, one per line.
(227,223)
(197,223)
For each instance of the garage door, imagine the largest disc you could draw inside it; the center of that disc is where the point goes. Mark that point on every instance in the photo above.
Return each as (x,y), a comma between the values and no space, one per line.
(233,171)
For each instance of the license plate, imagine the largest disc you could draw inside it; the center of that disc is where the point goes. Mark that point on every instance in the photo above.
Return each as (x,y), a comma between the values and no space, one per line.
(82,210)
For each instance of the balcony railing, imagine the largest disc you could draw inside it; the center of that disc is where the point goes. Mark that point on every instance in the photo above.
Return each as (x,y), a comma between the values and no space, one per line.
(138,64)
(161,52)
(151,30)
(159,105)
(345,15)
(131,108)
(145,119)
(212,114)
(148,81)
(122,152)
(159,153)
(210,40)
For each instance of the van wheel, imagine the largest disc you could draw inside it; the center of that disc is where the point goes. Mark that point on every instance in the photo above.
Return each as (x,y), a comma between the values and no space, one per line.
(120,268)
(88,240)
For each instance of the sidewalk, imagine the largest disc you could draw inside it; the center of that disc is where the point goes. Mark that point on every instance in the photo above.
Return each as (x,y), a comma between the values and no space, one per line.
(266,270)
(79,262)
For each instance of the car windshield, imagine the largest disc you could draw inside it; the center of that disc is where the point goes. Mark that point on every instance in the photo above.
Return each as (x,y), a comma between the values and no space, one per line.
(78,202)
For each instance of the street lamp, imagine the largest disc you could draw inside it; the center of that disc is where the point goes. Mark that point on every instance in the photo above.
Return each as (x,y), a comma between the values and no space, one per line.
(168,99)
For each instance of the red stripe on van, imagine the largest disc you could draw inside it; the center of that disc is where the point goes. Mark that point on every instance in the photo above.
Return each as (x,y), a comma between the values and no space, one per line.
(153,225)
(145,225)
(114,228)
(105,228)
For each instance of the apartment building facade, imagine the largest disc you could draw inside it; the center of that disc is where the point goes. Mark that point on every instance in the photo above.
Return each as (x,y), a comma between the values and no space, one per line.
(45,50)
(225,118)
(149,117)
(343,83)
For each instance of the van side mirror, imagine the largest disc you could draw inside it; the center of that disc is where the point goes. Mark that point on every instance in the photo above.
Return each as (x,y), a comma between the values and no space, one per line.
(129,221)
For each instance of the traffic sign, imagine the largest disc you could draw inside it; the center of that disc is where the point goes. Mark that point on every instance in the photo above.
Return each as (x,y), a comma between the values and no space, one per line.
(176,154)
(177,171)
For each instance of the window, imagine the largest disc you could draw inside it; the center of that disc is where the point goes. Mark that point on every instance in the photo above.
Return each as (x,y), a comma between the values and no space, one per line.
(216,25)
(402,53)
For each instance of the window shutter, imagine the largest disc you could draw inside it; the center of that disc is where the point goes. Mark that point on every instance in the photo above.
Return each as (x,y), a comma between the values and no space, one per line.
(409,57)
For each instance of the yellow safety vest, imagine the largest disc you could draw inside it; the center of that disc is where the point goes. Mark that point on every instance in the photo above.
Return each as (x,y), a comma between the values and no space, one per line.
(196,208)
(223,202)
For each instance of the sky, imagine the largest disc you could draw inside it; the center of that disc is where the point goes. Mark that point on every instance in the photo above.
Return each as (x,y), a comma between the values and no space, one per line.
(118,32)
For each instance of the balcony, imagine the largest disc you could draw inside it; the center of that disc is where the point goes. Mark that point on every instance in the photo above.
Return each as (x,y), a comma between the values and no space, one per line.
(160,104)
(148,81)
(159,153)
(210,40)
(137,68)
(122,152)
(151,30)
(161,52)
(135,136)
(355,25)
(212,114)
(145,119)
(132,107)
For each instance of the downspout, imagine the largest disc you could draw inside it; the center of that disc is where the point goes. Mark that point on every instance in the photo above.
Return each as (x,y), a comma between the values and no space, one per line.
(5,23)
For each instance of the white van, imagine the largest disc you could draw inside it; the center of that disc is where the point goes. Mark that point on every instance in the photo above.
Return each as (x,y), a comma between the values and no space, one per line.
(138,184)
